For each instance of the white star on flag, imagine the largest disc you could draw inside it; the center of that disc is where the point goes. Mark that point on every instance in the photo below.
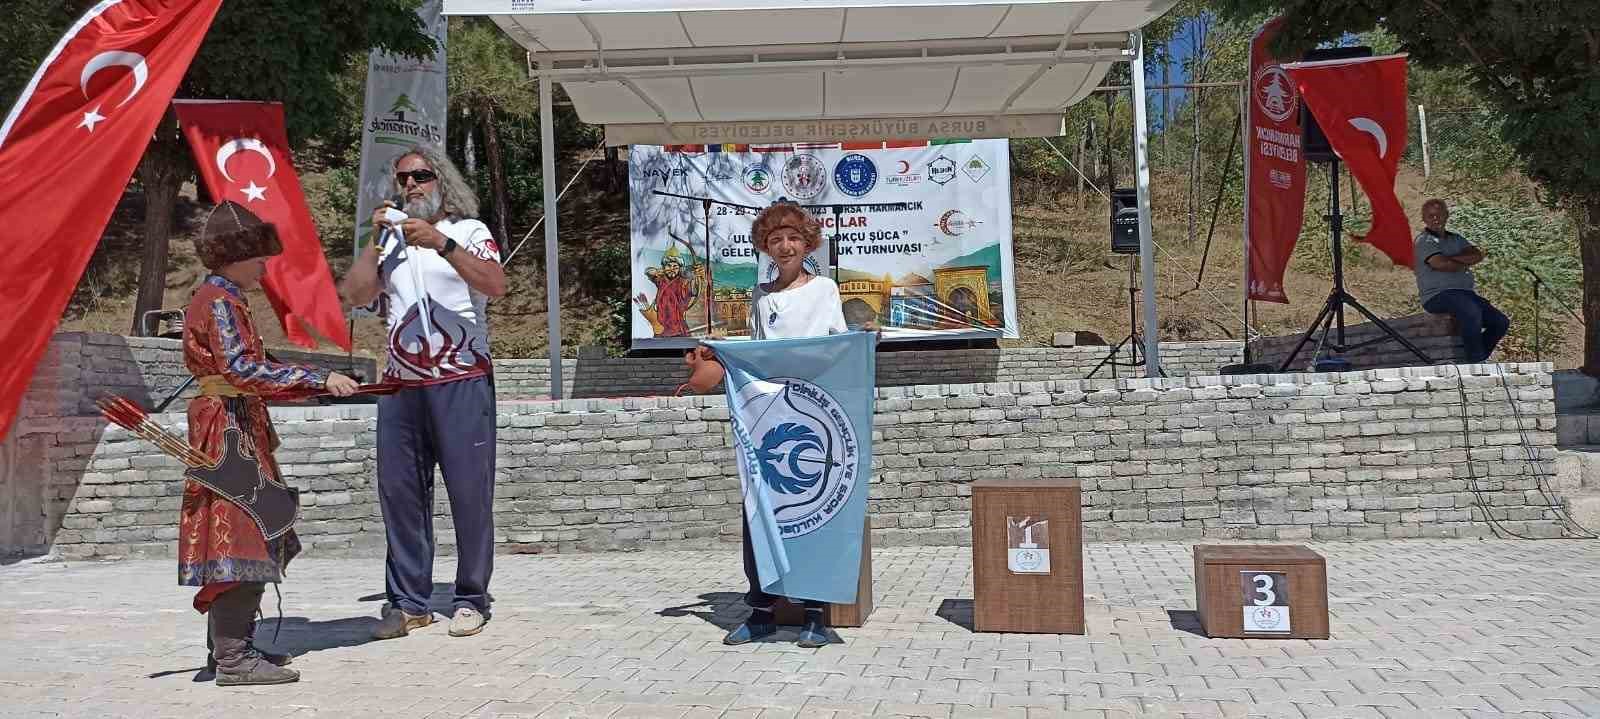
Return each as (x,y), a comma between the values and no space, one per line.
(253,192)
(91,117)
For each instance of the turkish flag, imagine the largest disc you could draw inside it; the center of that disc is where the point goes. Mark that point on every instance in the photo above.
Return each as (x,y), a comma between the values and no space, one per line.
(1274,168)
(1360,105)
(67,150)
(242,152)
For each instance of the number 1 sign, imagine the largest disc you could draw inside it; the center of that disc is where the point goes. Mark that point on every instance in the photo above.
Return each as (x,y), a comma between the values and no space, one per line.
(1266,601)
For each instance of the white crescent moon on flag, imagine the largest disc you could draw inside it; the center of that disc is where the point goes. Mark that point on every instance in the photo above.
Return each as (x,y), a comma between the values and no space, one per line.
(244,143)
(1367,125)
(131,60)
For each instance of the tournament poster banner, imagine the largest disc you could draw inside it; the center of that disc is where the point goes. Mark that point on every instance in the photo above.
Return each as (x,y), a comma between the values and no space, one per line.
(405,105)
(923,231)
(1275,171)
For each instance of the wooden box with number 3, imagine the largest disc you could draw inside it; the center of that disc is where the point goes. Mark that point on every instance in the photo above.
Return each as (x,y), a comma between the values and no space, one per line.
(1261,591)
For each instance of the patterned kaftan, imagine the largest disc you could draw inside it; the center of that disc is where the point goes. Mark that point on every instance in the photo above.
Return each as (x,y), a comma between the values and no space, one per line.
(218,543)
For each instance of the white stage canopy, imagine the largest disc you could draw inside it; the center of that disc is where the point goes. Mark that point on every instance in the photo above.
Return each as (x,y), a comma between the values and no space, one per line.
(664,72)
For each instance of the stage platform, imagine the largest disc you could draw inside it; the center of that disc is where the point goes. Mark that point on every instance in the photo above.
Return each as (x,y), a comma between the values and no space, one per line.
(1292,457)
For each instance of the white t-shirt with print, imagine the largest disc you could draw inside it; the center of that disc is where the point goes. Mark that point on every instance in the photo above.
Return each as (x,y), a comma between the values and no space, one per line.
(810,310)
(455,344)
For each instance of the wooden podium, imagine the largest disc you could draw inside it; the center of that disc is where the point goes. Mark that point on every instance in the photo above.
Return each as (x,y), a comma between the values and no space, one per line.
(1027,556)
(1261,591)
(839,615)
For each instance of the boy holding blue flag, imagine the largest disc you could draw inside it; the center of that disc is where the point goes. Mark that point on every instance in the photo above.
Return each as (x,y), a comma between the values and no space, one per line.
(802,454)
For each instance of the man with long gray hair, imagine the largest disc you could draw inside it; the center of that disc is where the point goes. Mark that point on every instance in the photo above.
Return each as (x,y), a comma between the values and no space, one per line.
(433,270)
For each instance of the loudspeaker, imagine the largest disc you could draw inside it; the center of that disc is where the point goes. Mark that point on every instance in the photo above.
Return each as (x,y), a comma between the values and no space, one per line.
(1314,143)
(1125,222)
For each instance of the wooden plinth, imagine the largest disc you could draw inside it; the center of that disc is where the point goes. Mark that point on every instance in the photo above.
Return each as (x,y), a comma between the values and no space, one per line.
(1231,580)
(839,615)
(1007,601)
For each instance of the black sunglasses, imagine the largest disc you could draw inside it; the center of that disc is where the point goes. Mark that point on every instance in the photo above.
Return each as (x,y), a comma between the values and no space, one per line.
(421,177)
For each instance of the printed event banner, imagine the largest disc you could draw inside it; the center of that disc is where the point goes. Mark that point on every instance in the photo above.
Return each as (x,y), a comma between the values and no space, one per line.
(923,231)
(1274,168)
(406,105)
(801,411)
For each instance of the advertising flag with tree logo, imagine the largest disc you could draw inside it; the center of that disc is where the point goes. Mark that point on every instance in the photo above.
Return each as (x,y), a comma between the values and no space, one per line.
(801,411)
(405,105)
(67,150)
(1274,168)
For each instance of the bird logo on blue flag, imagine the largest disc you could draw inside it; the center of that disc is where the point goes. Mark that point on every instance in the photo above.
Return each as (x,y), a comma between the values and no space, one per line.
(806,454)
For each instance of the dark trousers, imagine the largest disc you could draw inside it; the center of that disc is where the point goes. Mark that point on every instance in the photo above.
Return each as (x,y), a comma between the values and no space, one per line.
(1480,324)
(450,426)
(757,598)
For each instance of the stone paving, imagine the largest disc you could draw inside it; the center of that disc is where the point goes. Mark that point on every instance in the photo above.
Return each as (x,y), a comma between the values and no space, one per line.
(1452,628)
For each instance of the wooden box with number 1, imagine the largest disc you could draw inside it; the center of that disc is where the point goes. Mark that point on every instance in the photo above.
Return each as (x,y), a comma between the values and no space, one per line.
(1261,591)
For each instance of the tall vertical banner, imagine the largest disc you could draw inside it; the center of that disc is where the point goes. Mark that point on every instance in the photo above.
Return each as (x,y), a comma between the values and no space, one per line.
(67,150)
(242,152)
(923,232)
(1361,106)
(1274,168)
(406,104)
(801,411)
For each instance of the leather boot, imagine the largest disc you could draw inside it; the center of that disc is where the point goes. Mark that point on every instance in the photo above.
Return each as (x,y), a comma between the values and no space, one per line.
(239,663)
(211,661)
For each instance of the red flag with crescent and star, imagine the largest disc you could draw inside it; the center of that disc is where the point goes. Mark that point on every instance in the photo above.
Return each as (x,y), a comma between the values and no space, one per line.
(242,152)
(67,150)
(1360,104)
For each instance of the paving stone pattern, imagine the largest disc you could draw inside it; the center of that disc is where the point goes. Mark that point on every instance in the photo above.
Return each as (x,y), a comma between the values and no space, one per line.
(1420,629)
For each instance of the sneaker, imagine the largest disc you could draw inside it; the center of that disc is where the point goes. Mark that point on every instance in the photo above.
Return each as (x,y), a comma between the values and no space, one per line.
(396,622)
(760,624)
(467,622)
(815,633)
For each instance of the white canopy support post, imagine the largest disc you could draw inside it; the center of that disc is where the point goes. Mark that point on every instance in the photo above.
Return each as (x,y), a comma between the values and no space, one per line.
(552,259)
(1141,166)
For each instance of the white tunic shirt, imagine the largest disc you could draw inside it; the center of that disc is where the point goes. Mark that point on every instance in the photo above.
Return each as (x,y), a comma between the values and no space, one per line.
(810,310)
(454,343)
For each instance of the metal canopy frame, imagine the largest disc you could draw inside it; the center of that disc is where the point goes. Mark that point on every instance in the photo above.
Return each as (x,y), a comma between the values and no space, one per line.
(630,66)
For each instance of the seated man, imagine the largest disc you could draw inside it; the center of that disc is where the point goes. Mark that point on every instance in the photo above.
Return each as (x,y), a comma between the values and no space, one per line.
(1443,263)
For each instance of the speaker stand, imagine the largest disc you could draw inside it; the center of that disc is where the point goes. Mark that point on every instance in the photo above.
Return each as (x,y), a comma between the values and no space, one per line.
(1332,314)
(1134,341)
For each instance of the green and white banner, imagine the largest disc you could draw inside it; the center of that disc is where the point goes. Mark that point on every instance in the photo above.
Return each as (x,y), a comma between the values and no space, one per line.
(406,104)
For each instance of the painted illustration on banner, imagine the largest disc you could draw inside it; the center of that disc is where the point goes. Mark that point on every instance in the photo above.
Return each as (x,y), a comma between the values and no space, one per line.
(923,238)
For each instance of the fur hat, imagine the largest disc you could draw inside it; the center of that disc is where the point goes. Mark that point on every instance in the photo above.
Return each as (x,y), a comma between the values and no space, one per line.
(232,234)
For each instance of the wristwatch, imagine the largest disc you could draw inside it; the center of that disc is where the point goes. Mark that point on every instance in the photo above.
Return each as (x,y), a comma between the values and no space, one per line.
(449,246)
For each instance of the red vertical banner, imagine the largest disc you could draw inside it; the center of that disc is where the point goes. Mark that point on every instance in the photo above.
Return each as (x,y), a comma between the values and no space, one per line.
(1275,170)
(242,152)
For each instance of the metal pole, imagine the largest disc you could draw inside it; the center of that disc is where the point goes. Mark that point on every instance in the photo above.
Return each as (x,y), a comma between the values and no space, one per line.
(1244,129)
(552,259)
(1422,123)
(1141,168)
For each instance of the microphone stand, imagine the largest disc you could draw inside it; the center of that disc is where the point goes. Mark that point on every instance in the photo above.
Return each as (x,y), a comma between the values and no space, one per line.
(705,206)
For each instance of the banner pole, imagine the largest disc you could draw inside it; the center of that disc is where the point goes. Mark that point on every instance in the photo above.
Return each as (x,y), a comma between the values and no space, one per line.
(1141,166)
(552,258)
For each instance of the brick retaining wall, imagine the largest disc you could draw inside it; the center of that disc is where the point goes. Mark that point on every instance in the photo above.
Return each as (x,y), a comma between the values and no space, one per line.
(1278,457)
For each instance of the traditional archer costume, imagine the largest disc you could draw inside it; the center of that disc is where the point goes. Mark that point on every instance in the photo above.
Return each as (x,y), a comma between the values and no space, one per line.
(232,546)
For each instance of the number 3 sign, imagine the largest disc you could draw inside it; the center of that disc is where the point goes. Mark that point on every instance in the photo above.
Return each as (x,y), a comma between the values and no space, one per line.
(1266,601)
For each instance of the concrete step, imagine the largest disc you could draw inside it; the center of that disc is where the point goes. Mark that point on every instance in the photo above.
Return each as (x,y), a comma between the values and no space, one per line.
(1577,469)
(1584,509)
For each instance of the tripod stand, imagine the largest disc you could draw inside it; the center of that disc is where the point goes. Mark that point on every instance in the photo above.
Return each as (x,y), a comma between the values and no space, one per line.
(1133,340)
(1333,310)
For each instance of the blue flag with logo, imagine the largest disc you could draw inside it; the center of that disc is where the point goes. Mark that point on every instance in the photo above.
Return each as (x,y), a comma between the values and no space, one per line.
(801,411)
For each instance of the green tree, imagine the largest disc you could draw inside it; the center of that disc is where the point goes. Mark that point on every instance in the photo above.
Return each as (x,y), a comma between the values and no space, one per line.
(489,78)
(1537,62)
(281,50)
